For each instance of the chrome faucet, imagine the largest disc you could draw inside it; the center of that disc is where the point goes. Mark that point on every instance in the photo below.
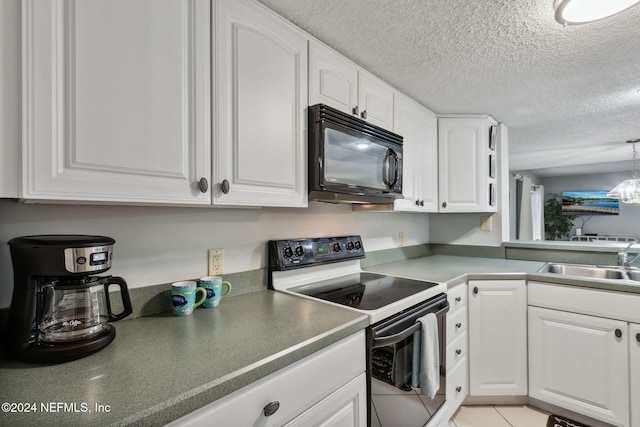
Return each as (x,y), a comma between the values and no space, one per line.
(623,256)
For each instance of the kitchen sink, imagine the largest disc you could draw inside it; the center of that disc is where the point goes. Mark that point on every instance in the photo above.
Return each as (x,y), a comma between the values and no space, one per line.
(591,271)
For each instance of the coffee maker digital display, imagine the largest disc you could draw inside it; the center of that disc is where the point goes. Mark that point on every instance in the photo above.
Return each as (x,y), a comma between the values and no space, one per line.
(60,310)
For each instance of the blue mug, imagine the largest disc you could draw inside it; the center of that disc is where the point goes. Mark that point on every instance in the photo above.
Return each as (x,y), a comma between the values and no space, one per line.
(213,285)
(183,297)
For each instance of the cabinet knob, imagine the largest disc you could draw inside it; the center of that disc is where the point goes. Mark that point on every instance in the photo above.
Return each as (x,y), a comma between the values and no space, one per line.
(458,325)
(355,110)
(618,333)
(421,202)
(475,290)
(459,351)
(444,204)
(638,337)
(364,114)
(270,408)
(458,389)
(225,186)
(417,202)
(458,299)
(203,185)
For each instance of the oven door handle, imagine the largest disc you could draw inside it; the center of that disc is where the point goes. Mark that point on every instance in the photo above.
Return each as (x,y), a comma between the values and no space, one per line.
(400,336)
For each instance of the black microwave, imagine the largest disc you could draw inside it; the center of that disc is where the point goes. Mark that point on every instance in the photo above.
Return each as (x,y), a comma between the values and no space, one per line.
(351,160)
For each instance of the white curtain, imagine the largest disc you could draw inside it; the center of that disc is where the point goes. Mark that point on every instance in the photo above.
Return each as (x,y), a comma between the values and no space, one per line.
(537,212)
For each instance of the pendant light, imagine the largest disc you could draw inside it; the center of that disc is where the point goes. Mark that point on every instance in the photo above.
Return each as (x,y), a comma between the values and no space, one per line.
(573,12)
(628,191)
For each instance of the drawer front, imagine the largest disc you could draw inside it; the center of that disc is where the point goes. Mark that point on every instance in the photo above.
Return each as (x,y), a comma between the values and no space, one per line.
(457,297)
(456,324)
(457,385)
(295,388)
(456,351)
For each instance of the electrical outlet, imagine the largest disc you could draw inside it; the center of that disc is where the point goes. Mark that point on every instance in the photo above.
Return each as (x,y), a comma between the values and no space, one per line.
(485,223)
(401,238)
(216,262)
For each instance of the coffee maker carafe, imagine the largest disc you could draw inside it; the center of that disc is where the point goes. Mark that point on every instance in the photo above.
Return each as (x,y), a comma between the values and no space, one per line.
(60,311)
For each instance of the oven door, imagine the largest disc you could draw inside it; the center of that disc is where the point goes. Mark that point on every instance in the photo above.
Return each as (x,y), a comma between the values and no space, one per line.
(390,355)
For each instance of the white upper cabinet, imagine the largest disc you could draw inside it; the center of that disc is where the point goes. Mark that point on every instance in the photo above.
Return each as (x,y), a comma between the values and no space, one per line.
(468,164)
(259,147)
(116,100)
(337,82)
(333,80)
(418,127)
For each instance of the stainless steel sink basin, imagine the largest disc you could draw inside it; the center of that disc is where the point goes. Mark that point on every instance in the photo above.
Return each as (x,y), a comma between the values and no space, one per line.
(634,275)
(592,271)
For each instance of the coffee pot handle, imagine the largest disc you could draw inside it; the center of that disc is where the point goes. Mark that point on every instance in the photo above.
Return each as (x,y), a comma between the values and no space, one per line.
(126,300)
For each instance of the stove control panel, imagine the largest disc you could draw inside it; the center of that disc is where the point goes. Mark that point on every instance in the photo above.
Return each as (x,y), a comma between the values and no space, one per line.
(295,253)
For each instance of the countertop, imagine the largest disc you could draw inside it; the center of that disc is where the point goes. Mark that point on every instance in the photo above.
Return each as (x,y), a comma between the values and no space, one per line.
(453,270)
(162,367)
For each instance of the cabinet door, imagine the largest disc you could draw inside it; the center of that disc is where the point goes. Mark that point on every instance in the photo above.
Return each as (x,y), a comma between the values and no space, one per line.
(418,128)
(375,100)
(497,337)
(116,100)
(261,99)
(579,362)
(333,80)
(464,165)
(346,407)
(634,374)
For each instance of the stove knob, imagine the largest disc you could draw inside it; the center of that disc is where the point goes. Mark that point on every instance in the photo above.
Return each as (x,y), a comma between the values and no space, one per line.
(288,252)
(357,244)
(336,247)
(299,251)
(350,246)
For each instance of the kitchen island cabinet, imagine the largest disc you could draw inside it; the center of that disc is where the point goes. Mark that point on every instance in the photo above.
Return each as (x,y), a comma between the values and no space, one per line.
(634,373)
(117,116)
(260,104)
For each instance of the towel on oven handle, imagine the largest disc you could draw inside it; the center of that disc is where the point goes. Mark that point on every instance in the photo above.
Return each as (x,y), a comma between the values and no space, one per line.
(425,371)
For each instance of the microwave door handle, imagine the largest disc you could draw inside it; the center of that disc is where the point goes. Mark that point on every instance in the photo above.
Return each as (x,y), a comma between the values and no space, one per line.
(387,169)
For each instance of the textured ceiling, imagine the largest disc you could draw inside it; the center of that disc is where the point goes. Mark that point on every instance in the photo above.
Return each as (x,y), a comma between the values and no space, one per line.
(569,95)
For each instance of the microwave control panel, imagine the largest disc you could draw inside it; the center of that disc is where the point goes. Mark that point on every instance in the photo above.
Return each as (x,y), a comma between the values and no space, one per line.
(296,253)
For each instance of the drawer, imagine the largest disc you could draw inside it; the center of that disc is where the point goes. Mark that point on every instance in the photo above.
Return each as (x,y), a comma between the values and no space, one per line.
(456,351)
(457,297)
(457,385)
(296,388)
(456,324)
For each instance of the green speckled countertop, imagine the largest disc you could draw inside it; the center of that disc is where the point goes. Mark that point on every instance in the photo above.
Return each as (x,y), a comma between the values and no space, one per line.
(453,270)
(162,367)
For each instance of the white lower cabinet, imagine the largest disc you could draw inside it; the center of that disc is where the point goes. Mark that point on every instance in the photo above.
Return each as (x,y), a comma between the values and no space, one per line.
(497,337)
(580,356)
(634,373)
(456,358)
(327,388)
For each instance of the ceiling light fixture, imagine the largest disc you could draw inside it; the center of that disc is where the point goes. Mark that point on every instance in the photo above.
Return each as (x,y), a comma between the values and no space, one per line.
(573,12)
(628,191)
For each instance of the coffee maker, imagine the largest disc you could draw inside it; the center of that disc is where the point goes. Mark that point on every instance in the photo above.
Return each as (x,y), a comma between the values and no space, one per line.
(59,310)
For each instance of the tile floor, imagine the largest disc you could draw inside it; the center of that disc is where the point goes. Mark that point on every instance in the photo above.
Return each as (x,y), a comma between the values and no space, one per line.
(499,416)
(392,407)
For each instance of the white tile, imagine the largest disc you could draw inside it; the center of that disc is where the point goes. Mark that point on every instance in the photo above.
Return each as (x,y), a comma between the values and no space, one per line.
(400,411)
(432,404)
(523,416)
(380,387)
(479,416)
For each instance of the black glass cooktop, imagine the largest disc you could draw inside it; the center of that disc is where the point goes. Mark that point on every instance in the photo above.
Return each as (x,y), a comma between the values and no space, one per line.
(366,291)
